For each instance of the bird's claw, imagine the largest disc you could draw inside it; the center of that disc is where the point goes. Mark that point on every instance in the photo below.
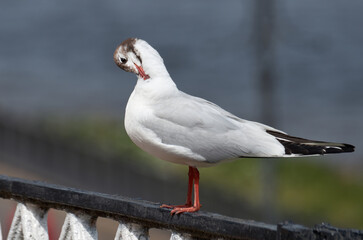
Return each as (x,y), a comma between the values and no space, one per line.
(177,209)
(184,209)
(176,206)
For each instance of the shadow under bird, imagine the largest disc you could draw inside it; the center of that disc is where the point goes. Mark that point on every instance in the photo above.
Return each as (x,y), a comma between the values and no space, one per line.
(180,128)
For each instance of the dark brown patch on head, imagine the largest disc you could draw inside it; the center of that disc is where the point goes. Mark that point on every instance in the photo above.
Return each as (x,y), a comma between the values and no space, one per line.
(129,44)
(115,59)
(126,47)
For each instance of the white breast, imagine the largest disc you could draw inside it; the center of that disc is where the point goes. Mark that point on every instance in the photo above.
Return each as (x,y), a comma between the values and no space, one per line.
(139,114)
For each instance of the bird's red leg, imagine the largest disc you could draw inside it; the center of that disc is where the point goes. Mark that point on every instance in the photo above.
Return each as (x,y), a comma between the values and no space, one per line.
(196,206)
(189,196)
(190,186)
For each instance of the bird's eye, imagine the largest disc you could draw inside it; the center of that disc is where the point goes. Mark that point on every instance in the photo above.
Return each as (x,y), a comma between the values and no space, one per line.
(123,60)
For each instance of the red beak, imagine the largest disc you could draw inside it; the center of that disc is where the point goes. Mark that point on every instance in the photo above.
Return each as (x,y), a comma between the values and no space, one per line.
(141,72)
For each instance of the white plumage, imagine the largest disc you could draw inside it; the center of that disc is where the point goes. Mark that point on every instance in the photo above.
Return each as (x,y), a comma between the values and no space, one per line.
(180,128)
(183,129)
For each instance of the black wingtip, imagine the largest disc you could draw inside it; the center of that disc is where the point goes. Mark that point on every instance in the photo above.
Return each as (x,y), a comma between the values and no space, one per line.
(302,146)
(344,148)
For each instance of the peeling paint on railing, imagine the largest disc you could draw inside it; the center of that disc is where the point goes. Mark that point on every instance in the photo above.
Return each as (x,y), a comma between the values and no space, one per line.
(131,231)
(79,226)
(180,236)
(29,222)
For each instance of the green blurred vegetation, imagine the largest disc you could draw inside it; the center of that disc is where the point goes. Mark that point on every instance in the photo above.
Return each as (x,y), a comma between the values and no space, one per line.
(308,192)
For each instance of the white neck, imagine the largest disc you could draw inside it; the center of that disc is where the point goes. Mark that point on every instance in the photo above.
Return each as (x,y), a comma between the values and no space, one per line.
(156,88)
(160,84)
(152,63)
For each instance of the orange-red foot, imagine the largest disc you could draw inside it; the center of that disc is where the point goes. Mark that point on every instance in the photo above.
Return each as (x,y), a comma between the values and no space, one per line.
(184,209)
(188,207)
(177,209)
(176,206)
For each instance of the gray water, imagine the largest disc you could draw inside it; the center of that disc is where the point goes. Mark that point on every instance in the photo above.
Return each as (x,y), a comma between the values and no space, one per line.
(56,59)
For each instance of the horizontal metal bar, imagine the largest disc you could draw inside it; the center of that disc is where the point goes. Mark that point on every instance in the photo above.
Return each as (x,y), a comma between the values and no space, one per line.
(201,224)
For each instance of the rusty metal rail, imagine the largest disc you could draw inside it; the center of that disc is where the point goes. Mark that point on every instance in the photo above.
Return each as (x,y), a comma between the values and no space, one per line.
(136,217)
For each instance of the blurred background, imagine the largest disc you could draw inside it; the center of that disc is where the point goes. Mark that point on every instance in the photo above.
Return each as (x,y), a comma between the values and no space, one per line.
(295,65)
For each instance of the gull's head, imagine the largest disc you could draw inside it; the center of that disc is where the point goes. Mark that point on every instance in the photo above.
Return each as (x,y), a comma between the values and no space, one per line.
(137,56)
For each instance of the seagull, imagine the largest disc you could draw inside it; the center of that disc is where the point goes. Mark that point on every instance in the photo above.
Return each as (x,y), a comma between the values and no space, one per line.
(177,127)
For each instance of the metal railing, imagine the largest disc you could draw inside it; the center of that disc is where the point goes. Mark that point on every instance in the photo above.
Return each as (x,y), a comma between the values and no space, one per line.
(136,217)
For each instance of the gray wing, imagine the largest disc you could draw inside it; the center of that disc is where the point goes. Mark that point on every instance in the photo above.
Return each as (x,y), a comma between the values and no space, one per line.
(208,130)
